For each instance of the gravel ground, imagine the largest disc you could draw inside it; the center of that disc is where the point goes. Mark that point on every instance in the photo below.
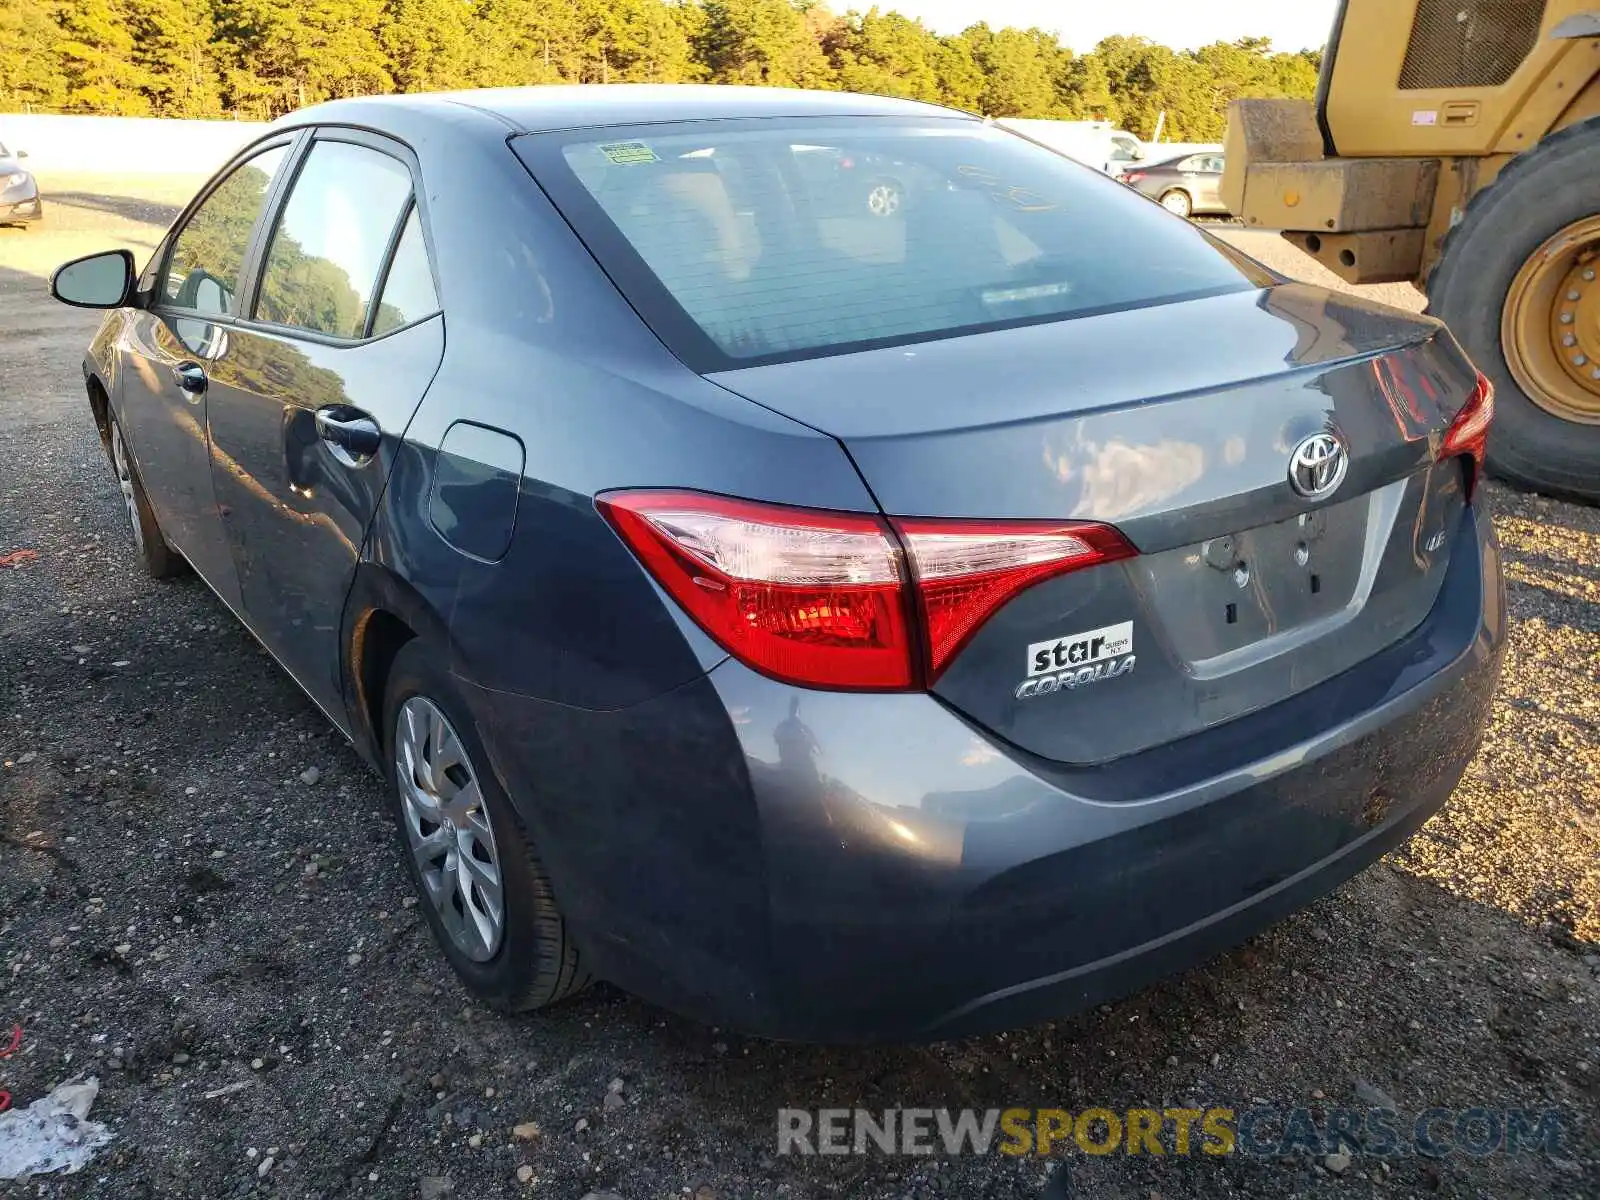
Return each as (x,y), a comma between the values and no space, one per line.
(232,951)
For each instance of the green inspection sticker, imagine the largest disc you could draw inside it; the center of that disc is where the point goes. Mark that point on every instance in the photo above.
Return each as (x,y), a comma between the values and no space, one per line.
(626,153)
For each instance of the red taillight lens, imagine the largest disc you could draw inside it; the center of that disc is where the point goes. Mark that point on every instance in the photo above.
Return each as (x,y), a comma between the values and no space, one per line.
(821,598)
(807,597)
(1469,432)
(967,570)
(1133,176)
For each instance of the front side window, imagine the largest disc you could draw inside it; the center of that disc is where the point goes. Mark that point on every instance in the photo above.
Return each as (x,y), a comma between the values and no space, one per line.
(760,240)
(208,256)
(332,234)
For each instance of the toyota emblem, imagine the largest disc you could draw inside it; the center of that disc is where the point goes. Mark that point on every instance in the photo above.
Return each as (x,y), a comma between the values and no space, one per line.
(1318,465)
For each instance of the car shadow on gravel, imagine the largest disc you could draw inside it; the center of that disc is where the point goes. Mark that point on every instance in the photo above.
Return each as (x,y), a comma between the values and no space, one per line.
(129,208)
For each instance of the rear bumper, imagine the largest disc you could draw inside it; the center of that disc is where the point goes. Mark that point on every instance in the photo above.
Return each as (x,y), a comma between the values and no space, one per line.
(834,867)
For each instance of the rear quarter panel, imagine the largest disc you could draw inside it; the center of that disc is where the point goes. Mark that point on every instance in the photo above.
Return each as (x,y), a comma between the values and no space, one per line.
(541,347)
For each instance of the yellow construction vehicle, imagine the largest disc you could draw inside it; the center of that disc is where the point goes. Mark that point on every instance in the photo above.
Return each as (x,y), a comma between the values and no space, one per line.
(1456,144)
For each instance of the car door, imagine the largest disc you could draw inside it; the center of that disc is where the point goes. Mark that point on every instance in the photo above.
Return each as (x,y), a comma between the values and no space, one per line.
(170,345)
(1191,179)
(1209,198)
(341,339)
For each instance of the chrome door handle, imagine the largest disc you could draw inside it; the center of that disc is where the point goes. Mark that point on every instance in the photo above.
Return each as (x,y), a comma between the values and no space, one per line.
(349,430)
(190,378)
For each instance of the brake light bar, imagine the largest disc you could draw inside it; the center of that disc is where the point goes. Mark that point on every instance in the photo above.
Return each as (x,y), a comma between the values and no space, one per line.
(844,601)
(1469,433)
(965,570)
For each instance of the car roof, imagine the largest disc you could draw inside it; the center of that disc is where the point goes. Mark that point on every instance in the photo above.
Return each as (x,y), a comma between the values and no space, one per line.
(577,106)
(1178,158)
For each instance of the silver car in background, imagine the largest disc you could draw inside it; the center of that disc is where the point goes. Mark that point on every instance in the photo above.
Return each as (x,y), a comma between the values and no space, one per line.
(19,191)
(1189,185)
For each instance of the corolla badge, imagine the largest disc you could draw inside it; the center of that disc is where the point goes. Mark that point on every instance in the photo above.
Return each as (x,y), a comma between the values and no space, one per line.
(1318,465)
(1070,662)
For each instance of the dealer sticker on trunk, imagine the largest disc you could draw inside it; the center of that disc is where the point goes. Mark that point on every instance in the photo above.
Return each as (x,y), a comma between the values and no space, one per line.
(1078,659)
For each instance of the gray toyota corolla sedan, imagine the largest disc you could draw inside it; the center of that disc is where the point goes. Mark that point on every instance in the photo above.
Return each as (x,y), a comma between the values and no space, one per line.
(831,623)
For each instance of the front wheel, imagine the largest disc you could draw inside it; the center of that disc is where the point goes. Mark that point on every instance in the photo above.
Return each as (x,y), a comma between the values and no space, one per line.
(1518,286)
(484,891)
(1177,202)
(159,559)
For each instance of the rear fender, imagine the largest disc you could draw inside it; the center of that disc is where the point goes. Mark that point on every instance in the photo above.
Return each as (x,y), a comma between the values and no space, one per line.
(375,590)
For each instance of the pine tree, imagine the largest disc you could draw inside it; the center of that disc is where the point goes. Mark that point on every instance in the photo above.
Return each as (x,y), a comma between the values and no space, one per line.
(1017,80)
(633,41)
(172,49)
(884,54)
(528,41)
(761,42)
(31,75)
(960,76)
(96,47)
(286,54)
(261,58)
(429,44)
(1084,91)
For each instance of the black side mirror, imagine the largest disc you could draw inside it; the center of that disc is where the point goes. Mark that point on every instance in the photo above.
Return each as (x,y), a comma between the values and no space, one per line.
(21,154)
(104,280)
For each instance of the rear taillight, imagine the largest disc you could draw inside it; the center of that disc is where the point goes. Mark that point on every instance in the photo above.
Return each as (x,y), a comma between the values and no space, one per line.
(1469,432)
(965,570)
(1133,177)
(843,600)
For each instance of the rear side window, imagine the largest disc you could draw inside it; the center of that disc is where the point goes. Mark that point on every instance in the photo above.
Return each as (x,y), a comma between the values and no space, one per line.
(408,292)
(322,263)
(208,255)
(756,241)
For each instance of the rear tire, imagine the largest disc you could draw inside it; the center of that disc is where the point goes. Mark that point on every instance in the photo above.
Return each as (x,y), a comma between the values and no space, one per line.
(531,961)
(158,557)
(1178,202)
(1550,187)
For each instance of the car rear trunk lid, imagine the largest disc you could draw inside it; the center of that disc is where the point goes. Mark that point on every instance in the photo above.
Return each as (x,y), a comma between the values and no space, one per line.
(1177,425)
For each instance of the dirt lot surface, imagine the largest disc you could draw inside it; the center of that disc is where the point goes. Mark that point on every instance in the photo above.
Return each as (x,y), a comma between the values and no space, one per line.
(231,951)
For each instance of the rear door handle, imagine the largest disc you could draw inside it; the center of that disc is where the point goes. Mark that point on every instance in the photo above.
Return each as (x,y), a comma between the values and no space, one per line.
(354,436)
(190,378)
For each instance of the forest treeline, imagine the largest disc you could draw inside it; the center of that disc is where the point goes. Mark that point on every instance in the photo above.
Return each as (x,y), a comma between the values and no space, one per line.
(261,58)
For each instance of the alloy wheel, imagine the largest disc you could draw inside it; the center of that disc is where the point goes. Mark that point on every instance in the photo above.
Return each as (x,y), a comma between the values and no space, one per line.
(448,829)
(883,200)
(119,460)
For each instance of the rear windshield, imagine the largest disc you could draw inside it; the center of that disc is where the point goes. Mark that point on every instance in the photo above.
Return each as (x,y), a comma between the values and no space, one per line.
(753,241)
